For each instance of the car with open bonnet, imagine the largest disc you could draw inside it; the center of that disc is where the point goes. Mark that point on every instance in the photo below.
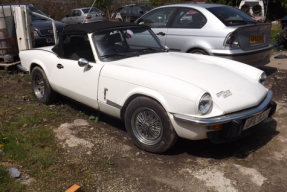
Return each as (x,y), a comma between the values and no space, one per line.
(123,70)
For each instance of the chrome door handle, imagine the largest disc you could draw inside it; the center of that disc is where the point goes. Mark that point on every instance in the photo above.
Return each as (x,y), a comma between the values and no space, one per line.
(60,66)
(161,33)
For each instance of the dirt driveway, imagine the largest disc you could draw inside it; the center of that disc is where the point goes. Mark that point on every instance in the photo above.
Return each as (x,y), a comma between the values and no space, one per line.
(101,157)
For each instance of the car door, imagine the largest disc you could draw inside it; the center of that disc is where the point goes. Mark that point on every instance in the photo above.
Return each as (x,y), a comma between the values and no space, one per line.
(69,17)
(71,80)
(185,27)
(158,20)
(72,17)
(77,17)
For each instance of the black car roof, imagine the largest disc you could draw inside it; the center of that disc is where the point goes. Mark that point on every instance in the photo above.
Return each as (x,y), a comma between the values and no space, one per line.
(97,26)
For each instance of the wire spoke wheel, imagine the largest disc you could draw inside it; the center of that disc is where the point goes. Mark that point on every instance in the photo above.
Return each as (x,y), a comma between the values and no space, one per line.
(147,126)
(39,86)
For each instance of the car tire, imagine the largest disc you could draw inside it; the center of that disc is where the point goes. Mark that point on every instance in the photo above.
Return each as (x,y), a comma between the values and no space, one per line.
(41,86)
(198,51)
(140,113)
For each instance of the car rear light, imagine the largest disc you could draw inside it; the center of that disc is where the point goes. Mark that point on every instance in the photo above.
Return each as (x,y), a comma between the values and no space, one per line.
(89,17)
(103,15)
(231,41)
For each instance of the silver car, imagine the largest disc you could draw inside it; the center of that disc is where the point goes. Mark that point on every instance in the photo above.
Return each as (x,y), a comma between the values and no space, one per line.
(211,29)
(79,15)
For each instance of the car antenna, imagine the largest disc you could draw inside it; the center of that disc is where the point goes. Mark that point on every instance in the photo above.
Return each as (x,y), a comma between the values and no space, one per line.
(89,10)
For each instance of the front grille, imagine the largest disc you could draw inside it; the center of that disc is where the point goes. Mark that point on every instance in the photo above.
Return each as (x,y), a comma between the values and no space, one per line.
(50,31)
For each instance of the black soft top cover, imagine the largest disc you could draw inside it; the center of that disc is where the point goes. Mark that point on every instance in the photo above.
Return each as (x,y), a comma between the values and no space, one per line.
(90,28)
(97,26)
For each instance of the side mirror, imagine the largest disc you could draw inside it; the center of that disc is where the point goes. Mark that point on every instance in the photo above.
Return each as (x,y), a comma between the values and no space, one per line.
(166,48)
(141,12)
(51,16)
(67,16)
(83,62)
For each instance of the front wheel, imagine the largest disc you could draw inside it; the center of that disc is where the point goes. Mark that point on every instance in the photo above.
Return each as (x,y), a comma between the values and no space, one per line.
(149,126)
(41,86)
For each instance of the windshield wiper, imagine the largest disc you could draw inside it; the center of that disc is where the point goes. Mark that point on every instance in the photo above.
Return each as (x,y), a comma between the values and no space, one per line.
(149,49)
(120,54)
(113,55)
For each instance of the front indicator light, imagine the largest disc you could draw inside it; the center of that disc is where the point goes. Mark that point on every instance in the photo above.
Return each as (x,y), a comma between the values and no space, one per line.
(217,127)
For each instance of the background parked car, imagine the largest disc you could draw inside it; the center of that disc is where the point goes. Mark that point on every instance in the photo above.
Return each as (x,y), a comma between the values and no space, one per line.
(211,29)
(79,15)
(42,28)
(131,12)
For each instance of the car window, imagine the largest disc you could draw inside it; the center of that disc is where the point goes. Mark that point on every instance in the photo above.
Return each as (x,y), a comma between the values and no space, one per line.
(76,47)
(78,13)
(157,18)
(93,10)
(231,16)
(136,10)
(126,10)
(71,14)
(188,18)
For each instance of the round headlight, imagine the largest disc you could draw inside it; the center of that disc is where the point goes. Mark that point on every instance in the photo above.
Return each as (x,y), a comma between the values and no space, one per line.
(205,103)
(263,78)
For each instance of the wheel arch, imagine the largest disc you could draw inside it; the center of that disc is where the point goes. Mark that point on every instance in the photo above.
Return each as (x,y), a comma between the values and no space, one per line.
(132,97)
(200,48)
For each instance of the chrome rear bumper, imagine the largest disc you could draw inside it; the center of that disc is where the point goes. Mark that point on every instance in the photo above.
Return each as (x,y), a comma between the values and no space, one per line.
(230,117)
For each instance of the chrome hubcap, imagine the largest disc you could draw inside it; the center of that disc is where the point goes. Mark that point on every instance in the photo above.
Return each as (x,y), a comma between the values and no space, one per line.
(39,86)
(147,126)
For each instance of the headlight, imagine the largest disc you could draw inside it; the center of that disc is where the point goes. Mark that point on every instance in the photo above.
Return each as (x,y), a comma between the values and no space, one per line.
(35,33)
(205,103)
(263,78)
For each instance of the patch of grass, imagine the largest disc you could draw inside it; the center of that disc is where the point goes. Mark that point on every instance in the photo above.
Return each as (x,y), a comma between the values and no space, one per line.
(275,32)
(7,183)
(32,148)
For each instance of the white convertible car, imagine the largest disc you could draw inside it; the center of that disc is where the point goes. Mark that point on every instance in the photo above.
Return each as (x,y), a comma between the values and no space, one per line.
(123,70)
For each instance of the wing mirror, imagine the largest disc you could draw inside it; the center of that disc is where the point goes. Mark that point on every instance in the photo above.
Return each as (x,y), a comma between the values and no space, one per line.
(83,62)
(166,48)
(51,16)
(141,12)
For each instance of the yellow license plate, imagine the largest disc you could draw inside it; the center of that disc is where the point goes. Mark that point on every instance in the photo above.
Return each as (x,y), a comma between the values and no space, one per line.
(256,39)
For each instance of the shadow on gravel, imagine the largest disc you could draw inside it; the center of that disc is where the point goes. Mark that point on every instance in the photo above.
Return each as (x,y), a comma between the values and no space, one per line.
(238,149)
(268,70)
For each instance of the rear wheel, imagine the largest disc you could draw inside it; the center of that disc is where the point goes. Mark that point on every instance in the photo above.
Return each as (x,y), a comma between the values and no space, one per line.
(41,86)
(149,126)
(198,52)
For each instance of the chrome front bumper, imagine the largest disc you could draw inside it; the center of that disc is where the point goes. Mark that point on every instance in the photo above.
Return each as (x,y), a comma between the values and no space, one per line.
(230,117)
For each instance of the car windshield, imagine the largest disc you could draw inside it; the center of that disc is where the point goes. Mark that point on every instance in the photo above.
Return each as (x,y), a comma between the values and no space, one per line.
(122,43)
(231,16)
(93,10)
(36,10)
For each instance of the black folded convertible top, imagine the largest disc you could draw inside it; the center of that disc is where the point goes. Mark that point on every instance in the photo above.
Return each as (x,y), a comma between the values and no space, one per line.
(97,26)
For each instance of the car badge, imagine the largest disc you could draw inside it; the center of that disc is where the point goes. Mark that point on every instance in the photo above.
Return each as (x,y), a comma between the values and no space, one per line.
(258,31)
(224,94)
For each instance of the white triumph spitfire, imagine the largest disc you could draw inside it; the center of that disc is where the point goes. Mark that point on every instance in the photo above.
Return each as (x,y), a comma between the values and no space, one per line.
(123,70)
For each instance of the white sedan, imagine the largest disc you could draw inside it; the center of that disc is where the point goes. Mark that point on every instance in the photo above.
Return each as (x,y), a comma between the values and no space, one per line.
(123,70)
